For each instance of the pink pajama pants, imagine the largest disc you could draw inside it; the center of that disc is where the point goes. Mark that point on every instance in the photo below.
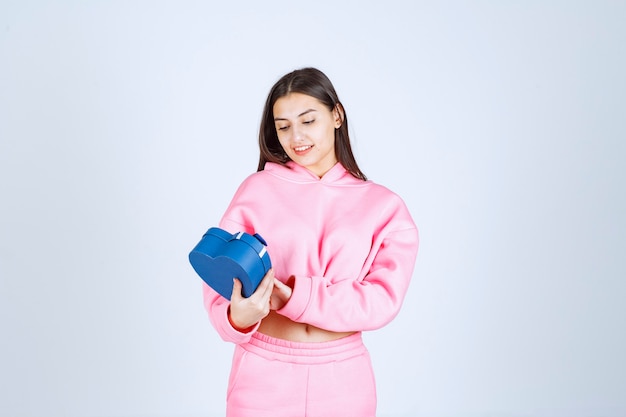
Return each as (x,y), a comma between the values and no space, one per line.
(277,378)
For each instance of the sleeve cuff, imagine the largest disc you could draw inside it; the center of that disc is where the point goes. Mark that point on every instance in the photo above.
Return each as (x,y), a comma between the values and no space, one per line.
(234,335)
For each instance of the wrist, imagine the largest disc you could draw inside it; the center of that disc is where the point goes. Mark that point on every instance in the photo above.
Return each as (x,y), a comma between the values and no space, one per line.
(240,329)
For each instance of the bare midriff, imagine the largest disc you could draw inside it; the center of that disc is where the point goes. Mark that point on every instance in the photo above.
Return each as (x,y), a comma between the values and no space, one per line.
(280,327)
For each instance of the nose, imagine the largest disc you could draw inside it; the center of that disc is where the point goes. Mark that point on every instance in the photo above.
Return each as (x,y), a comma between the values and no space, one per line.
(297,134)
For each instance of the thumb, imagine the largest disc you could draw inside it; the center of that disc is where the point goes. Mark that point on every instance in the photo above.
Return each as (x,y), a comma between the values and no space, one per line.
(236,288)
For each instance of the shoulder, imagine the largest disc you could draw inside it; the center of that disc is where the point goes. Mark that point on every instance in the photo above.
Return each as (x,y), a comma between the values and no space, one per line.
(257,178)
(383,193)
(253,186)
(390,206)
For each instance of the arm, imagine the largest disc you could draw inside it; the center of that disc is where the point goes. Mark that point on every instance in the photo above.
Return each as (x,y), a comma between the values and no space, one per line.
(360,304)
(218,308)
(236,320)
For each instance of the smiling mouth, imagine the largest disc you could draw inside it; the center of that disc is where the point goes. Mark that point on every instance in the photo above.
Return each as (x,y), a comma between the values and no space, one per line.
(302,148)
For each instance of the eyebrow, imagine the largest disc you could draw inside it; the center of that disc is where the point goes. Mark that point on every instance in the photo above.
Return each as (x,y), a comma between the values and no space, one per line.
(300,115)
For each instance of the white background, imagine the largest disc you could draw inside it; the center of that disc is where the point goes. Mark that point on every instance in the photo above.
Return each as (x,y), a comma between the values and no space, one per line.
(125,127)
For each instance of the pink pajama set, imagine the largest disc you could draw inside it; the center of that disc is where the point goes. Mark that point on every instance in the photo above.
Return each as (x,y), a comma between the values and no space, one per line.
(351,247)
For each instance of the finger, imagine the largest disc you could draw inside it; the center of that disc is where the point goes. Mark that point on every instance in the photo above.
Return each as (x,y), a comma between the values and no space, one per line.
(265,282)
(282,288)
(279,284)
(236,289)
(269,286)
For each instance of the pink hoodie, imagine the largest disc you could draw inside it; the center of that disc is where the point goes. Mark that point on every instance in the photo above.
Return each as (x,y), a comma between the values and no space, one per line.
(350,244)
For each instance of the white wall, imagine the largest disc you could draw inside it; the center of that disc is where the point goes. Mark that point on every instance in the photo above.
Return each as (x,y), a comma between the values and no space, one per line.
(125,127)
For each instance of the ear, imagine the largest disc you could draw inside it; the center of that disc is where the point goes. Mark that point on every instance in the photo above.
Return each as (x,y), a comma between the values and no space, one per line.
(338,115)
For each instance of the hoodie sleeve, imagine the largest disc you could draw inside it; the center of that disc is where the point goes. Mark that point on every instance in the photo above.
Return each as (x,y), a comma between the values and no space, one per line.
(217,306)
(367,303)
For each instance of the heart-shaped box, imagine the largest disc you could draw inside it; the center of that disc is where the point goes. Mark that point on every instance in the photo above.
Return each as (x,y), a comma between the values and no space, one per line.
(220,256)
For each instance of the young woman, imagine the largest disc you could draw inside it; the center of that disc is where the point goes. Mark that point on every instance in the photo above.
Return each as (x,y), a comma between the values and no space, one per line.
(342,248)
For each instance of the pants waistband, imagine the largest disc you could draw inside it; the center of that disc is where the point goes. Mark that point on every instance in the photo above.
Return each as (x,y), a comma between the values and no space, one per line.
(305,352)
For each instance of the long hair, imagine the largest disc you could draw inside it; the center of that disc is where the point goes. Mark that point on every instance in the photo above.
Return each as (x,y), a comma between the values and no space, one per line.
(314,83)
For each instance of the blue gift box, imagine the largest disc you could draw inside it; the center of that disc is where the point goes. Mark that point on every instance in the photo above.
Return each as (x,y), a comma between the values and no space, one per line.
(220,256)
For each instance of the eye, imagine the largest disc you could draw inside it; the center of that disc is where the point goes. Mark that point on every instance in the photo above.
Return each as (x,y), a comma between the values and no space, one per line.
(308,122)
(282,128)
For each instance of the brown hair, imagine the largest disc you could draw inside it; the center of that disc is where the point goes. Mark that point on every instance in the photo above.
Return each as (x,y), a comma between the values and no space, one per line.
(314,83)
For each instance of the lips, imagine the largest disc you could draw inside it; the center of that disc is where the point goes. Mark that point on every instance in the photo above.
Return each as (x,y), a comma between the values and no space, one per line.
(301,150)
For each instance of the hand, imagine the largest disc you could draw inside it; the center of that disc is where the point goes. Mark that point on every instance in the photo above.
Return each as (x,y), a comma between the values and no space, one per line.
(281,293)
(246,312)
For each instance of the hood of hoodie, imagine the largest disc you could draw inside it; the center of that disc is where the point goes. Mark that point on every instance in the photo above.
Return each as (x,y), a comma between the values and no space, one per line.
(337,175)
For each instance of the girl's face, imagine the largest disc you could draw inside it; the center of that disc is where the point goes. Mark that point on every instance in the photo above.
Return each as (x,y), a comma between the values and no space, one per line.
(306,131)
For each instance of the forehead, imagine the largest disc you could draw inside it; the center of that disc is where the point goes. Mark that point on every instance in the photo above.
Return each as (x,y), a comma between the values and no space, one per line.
(294,104)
